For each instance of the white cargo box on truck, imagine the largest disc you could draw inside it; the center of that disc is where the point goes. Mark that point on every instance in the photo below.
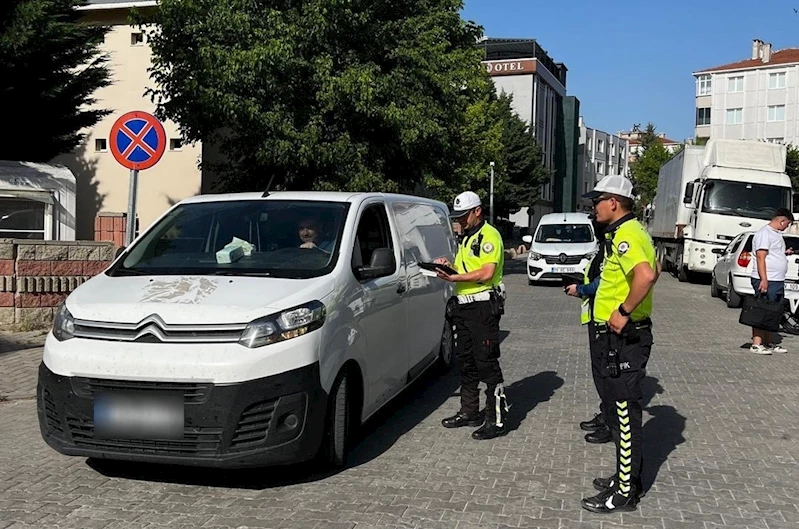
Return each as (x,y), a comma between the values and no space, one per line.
(707,195)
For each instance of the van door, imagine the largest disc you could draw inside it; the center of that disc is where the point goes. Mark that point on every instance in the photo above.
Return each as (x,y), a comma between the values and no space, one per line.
(383,312)
(425,233)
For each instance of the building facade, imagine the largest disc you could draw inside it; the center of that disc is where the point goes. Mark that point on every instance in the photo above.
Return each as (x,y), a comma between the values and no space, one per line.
(102,184)
(599,154)
(633,138)
(752,99)
(523,69)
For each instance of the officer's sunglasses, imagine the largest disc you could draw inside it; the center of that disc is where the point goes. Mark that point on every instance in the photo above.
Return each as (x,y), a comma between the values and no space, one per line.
(599,199)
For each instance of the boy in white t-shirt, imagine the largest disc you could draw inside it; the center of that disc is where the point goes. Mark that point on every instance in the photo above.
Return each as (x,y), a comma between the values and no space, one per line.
(768,272)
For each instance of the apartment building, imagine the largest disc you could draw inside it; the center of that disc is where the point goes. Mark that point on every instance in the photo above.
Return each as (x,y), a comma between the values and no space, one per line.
(102,184)
(756,98)
(599,154)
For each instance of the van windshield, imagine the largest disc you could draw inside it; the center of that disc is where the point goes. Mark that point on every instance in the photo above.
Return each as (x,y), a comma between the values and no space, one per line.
(277,238)
(560,233)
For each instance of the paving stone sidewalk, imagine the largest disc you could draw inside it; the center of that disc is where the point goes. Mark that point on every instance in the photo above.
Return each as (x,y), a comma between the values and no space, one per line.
(721,431)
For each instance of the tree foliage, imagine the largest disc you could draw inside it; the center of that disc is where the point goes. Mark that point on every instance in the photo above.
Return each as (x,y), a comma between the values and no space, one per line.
(646,166)
(322,94)
(50,67)
(792,170)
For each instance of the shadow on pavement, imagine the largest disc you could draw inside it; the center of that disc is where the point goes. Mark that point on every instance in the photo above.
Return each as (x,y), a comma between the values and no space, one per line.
(515,266)
(524,395)
(662,435)
(377,435)
(13,342)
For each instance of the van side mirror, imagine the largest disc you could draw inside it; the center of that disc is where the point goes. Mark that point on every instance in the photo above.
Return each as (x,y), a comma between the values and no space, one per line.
(381,264)
(688,199)
(528,239)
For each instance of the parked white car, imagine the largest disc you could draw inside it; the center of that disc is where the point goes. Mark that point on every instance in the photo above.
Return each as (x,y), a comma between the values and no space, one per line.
(564,243)
(243,330)
(731,276)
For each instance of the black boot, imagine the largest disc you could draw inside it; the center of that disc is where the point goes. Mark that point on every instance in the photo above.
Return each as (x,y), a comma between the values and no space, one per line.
(611,500)
(594,424)
(489,430)
(603,484)
(599,436)
(461,419)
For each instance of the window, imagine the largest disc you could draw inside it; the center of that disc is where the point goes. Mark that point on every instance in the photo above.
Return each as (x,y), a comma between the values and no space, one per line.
(600,168)
(702,116)
(776,140)
(735,84)
(373,233)
(288,238)
(600,145)
(590,144)
(137,38)
(776,80)
(735,116)
(613,149)
(703,85)
(100,145)
(776,113)
(568,233)
(21,219)
(175,144)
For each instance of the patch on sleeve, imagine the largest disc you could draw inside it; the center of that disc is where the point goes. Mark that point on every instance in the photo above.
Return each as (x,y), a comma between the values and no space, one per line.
(623,247)
(488,247)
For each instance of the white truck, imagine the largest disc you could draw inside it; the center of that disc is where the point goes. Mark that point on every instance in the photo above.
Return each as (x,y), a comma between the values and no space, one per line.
(707,195)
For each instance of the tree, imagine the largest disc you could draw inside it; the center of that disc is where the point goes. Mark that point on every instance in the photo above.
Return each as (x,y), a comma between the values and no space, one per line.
(524,170)
(359,95)
(50,66)
(646,166)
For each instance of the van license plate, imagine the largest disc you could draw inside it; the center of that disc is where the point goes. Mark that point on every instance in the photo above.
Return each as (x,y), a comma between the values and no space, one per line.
(792,286)
(138,415)
(563,269)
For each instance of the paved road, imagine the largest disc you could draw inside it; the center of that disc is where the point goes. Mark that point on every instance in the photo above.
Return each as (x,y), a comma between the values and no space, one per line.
(721,427)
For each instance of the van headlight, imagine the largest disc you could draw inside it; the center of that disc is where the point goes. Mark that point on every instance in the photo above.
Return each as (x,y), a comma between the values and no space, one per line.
(63,324)
(283,326)
(535,256)
(590,255)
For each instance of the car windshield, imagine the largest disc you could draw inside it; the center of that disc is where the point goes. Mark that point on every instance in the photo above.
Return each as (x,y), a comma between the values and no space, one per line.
(560,233)
(744,199)
(278,238)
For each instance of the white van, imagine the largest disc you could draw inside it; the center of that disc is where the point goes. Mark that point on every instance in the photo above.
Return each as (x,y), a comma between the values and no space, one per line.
(564,243)
(243,330)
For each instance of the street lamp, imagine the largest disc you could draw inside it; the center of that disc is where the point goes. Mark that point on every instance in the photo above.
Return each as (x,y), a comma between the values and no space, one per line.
(491,199)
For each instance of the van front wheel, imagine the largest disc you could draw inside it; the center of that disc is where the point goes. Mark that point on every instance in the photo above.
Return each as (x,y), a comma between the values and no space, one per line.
(337,427)
(445,352)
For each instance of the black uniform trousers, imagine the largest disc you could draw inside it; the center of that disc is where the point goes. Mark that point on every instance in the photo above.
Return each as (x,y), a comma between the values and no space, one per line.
(622,396)
(597,365)
(476,346)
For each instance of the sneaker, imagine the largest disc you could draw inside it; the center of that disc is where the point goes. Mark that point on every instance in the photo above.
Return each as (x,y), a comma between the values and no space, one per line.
(774,348)
(759,350)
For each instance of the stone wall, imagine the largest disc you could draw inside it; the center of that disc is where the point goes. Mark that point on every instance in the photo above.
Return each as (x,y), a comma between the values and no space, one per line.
(36,276)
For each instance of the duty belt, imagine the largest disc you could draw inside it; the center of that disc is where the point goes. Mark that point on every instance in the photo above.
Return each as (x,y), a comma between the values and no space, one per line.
(642,324)
(471,298)
(482,296)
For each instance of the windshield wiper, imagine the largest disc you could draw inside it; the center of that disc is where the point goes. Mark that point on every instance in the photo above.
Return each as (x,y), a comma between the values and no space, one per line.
(238,273)
(130,272)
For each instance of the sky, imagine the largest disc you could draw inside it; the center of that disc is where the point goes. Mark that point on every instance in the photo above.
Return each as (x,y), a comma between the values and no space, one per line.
(632,61)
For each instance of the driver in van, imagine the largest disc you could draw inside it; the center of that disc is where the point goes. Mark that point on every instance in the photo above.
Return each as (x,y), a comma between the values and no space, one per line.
(308,232)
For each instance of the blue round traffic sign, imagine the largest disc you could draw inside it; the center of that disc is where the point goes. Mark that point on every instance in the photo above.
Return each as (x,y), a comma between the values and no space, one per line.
(137,140)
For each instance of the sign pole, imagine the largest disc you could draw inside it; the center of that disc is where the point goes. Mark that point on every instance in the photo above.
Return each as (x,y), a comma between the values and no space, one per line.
(131,228)
(491,199)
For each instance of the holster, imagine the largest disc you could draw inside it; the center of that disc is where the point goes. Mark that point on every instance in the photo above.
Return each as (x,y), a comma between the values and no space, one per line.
(497,304)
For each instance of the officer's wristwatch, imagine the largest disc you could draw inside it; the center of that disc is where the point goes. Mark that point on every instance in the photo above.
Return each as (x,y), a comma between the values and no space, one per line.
(622,311)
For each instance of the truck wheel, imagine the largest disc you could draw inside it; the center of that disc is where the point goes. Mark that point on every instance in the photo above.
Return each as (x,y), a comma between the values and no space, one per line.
(682,273)
(714,287)
(337,427)
(733,298)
